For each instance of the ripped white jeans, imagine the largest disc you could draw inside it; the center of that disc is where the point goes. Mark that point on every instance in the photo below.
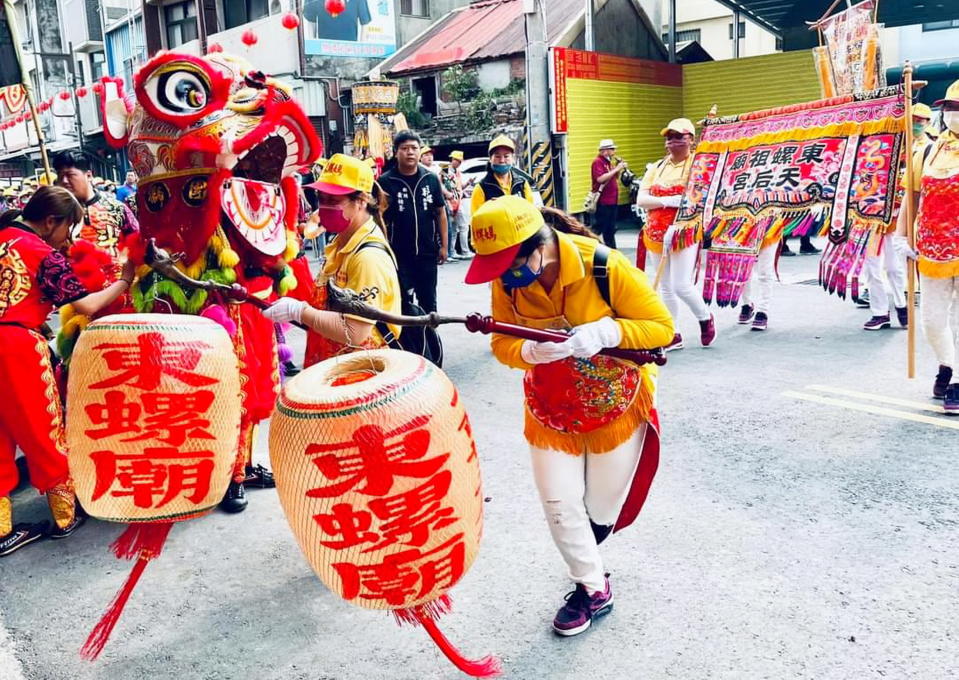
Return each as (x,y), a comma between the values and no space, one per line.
(576,489)
(939,308)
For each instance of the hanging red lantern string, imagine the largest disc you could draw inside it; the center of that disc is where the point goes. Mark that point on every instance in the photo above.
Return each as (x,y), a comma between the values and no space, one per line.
(335,7)
(213,48)
(65,96)
(290,21)
(98,89)
(82,92)
(249,38)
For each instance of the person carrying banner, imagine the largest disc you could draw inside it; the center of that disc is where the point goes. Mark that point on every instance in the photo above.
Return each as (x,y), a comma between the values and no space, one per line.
(660,194)
(883,258)
(359,259)
(36,278)
(590,419)
(936,174)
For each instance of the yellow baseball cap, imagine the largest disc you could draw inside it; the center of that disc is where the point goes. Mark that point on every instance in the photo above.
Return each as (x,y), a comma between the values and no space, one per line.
(681,125)
(499,228)
(426,149)
(952,95)
(456,155)
(343,175)
(921,110)
(47,178)
(502,140)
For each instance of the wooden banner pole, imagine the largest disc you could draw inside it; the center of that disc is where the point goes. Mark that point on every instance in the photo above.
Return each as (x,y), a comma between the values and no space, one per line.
(910,227)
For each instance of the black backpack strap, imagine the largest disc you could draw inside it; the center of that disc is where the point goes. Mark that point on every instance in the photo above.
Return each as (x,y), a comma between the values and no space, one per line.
(601,272)
(382,328)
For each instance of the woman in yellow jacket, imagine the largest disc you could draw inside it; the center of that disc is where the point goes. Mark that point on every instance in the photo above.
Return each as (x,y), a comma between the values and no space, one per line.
(359,258)
(587,416)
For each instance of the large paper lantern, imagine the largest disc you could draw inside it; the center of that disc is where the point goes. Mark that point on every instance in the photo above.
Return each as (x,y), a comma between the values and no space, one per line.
(378,476)
(154,420)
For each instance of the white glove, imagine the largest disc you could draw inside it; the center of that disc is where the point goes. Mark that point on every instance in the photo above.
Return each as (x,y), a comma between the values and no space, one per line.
(590,338)
(669,236)
(285,310)
(670,201)
(901,245)
(545,352)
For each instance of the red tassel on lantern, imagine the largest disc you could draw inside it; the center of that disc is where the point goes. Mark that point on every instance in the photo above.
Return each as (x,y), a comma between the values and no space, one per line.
(249,38)
(335,7)
(213,48)
(290,21)
(144,542)
(65,95)
(82,92)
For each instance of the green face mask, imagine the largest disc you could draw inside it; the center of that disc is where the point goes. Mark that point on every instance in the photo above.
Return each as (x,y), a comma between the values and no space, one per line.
(918,128)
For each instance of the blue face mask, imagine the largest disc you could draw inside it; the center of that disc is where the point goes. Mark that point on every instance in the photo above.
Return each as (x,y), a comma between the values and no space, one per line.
(521,276)
(501,168)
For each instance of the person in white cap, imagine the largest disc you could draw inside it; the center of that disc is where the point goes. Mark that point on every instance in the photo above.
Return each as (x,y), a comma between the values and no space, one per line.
(605,176)
(660,194)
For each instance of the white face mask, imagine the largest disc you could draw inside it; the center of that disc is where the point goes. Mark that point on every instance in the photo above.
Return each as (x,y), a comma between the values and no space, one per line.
(951,119)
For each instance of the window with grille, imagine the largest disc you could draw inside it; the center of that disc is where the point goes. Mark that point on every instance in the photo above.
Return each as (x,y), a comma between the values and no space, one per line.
(415,8)
(180,21)
(742,30)
(940,25)
(239,12)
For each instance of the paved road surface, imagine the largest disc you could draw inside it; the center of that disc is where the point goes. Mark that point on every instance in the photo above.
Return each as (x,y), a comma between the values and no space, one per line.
(803,525)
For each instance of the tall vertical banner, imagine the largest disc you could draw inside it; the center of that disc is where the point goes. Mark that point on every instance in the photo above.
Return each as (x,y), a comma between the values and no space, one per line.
(824,167)
(10,73)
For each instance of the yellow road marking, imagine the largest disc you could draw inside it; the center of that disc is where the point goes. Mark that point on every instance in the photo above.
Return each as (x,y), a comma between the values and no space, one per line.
(875,410)
(878,397)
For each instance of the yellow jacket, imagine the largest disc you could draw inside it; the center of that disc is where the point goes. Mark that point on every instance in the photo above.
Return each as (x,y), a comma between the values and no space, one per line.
(640,313)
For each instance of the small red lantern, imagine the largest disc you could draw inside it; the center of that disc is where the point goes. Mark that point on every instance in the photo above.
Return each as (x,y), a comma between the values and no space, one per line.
(65,96)
(290,21)
(82,92)
(98,89)
(335,7)
(214,47)
(249,38)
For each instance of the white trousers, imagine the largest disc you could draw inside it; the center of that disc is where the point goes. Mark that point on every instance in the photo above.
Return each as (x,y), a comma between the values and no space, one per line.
(576,489)
(461,226)
(895,268)
(677,281)
(758,291)
(939,307)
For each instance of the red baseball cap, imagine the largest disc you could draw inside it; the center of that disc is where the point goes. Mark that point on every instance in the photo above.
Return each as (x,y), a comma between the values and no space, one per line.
(499,228)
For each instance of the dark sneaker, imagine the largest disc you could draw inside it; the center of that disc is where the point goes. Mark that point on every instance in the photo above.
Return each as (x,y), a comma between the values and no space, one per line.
(877,323)
(943,378)
(951,402)
(759,323)
(808,249)
(677,343)
(863,300)
(707,331)
(785,251)
(746,314)
(903,314)
(235,499)
(79,517)
(290,369)
(22,534)
(581,608)
(259,477)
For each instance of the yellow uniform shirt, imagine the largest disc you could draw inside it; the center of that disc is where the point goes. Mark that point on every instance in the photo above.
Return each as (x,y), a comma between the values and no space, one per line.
(370,271)
(643,318)
(479,194)
(665,173)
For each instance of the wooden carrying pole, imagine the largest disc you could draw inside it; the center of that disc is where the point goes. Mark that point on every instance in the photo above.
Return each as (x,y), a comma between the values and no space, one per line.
(908,204)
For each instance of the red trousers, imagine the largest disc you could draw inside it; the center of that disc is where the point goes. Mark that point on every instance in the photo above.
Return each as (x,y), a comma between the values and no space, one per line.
(31,416)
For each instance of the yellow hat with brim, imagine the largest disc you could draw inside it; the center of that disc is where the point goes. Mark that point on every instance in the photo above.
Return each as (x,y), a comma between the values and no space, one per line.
(921,110)
(426,149)
(683,126)
(499,228)
(502,140)
(456,155)
(47,178)
(343,175)
(952,95)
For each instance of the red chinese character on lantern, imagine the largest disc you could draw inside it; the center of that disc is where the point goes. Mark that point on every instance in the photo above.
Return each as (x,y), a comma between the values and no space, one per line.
(381,457)
(174,417)
(349,526)
(150,474)
(410,517)
(143,364)
(116,415)
(404,576)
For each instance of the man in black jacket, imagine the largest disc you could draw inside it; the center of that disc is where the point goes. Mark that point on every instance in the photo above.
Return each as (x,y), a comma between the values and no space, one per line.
(415,220)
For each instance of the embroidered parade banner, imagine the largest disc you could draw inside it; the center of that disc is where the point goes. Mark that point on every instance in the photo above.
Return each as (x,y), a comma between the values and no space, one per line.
(828,166)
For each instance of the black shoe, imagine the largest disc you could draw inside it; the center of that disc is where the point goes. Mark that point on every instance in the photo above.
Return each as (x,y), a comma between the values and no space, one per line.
(259,478)
(290,369)
(600,531)
(786,252)
(903,314)
(235,499)
(760,321)
(78,519)
(943,378)
(22,534)
(863,300)
(808,249)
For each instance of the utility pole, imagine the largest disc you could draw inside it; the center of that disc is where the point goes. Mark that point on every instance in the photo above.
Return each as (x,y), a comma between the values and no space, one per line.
(538,149)
(672,31)
(590,38)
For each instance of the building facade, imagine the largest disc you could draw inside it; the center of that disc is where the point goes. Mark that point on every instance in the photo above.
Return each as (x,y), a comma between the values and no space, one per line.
(711,25)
